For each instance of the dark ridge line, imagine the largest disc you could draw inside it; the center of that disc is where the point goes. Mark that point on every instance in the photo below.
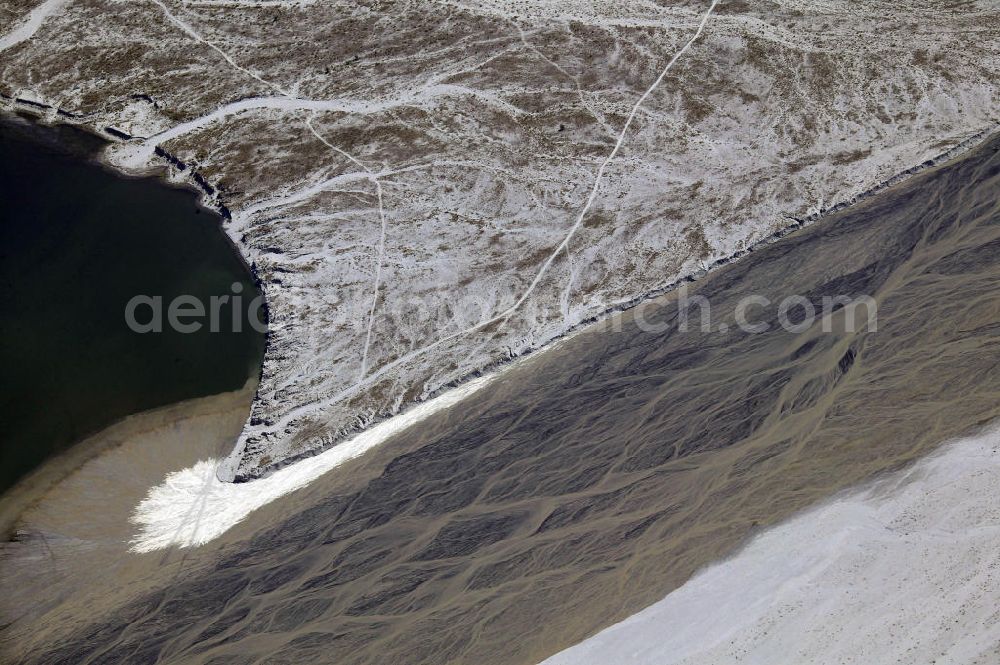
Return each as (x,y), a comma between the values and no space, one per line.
(343,433)
(200,180)
(118,134)
(146,98)
(28,102)
(178,164)
(212,200)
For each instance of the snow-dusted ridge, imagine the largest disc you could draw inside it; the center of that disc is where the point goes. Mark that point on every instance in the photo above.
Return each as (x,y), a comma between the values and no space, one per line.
(228,468)
(373,156)
(505,314)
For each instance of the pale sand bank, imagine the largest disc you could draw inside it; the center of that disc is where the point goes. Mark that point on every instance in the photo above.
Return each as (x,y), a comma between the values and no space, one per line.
(69,556)
(906,570)
(191,507)
(141,430)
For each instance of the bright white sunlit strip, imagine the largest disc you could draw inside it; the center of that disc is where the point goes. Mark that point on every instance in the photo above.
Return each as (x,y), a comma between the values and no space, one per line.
(192,507)
(905,571)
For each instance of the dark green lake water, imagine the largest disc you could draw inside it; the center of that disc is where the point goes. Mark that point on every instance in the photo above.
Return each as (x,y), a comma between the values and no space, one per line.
(77,242)
(591,480)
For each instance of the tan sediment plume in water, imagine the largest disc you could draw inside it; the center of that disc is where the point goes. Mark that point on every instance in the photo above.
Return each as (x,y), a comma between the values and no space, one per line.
(590,481)
(34,487)
(192,507)
(67,556)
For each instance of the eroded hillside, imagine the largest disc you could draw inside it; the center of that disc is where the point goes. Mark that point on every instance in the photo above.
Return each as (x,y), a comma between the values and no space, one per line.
(426,188)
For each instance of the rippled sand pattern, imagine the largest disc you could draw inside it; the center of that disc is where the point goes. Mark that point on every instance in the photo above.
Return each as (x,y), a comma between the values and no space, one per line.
(595,478)
(904,570)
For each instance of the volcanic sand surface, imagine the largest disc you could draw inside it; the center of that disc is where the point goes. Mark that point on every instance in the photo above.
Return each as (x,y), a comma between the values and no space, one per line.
(593,479)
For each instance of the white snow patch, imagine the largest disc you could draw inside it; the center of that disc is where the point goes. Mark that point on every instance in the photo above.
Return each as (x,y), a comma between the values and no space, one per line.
(907,570)
(192,507)
(30,25)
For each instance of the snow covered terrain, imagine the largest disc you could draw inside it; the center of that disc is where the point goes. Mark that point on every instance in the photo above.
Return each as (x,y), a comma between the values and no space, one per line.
(426,188)
(192,506)
(905,571)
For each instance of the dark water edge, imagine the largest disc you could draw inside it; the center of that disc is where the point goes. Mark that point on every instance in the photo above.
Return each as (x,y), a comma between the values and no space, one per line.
(77,242)
(590,481)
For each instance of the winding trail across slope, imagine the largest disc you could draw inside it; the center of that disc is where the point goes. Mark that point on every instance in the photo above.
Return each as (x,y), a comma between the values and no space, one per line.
(373,177)
(304,409)
(27,29)
(195,35)
(286,101)
(604,165)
